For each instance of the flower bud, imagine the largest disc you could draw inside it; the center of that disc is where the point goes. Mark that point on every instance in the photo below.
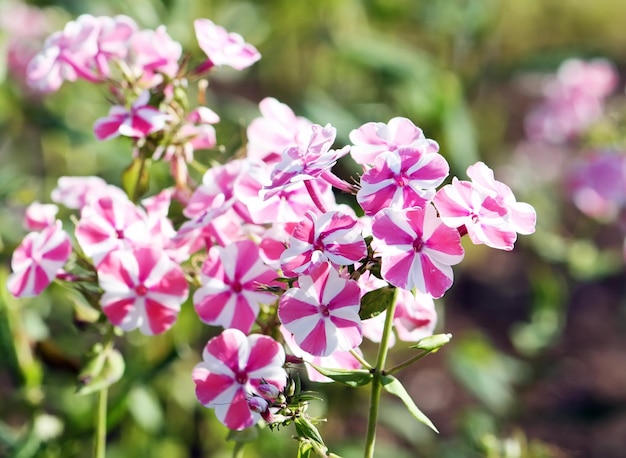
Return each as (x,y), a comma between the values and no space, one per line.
(257,404)
(268,391)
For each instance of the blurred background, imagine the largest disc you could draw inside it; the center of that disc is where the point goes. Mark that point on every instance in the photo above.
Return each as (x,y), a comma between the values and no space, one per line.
(537,365)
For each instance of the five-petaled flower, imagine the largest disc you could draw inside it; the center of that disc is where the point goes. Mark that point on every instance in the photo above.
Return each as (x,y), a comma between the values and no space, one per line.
(143,288)
(322,312)
(234,366)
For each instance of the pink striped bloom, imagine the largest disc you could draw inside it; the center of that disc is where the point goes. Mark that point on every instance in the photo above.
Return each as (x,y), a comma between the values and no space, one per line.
(38,216)
(143,289)
(110,223)
(308,160)
(76,192)
(415,316)
(37,260)
(417,249)
(234,366)
(486,207)
(223,47)
(374,138)
(138,122)
(230,278)
(276,129)
(401,179)
(332,236)
(322,312)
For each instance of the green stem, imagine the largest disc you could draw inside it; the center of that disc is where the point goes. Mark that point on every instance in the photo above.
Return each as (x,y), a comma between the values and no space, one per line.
(361,360)
(407,363)
(377,384)
(101,424)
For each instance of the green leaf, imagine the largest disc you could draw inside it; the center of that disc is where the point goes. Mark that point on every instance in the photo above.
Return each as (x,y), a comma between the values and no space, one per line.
(432,343)
(376,302)
(305,449)
(136,179)
(392,385)
(353,378)
(105,367)
(307,430)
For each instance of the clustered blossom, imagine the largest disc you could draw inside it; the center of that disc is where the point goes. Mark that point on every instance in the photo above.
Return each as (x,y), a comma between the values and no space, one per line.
(262,242)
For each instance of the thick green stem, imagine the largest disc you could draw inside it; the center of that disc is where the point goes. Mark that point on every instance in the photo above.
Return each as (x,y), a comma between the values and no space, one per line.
(377,382)
(101,424)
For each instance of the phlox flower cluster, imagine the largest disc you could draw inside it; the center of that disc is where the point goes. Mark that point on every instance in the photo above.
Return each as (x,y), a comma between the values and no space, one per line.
(261,243)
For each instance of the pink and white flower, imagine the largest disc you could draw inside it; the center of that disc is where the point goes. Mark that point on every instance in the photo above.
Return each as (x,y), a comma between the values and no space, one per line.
(137,122)
(415,316)
(113,37)
(322,312)
(404,178)
(37,260)
(223,47)
(277,129)
(152,54)
(143,289)
(231,278)
(234,366)
(486,207)
(374,138)
(111,223)
(38,216)
(417,249)
(76,192)
(332,236)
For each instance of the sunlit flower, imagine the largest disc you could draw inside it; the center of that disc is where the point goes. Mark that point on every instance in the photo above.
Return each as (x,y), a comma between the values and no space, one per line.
(38,216)
(223,47)
(37,260)
(233,368)
(322,312)
(143,289)
(417,250)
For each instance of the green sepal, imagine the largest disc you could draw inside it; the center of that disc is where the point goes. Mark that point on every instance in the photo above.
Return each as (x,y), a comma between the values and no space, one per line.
(432,343)
(392,385)
(376,302)
(350,377)
(306,430)
(136,178)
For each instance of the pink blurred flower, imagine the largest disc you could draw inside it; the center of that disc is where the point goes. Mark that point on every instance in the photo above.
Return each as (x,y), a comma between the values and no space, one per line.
(38,216)
(597,183)
(153,53)
(110,223)
(231,277)
(143,289)
(332,236)
(76,192)
(404,178)
(415,316)
(486,207)
(66,56)
(322,312)
(277,129)
(417,249)
(574,99)
(233,368)
(137,122)
(113,39)
(222,47)
(37,260)
(374,138)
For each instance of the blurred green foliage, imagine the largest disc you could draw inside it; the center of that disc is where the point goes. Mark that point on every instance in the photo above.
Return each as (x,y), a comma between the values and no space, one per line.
(449,65)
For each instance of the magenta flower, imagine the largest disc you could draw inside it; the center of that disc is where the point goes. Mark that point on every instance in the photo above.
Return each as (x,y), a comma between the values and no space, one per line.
(231,278)
(415,316)
(486,207)
(138,122)
(37,260)
(401,179)
(76,192)
(143,288)
(322,312)
(277,129)
(222,47)
(153,53)
(374,138)
(233,368)
(113,38)
(110,223)
(417,249)
(332,236)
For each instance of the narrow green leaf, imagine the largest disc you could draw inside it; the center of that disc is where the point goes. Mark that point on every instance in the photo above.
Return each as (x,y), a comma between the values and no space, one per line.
(392,385)
(353,378)
(307,430)
(376,302)
(101,372)
(135,178)
(432,343)
(304,449)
